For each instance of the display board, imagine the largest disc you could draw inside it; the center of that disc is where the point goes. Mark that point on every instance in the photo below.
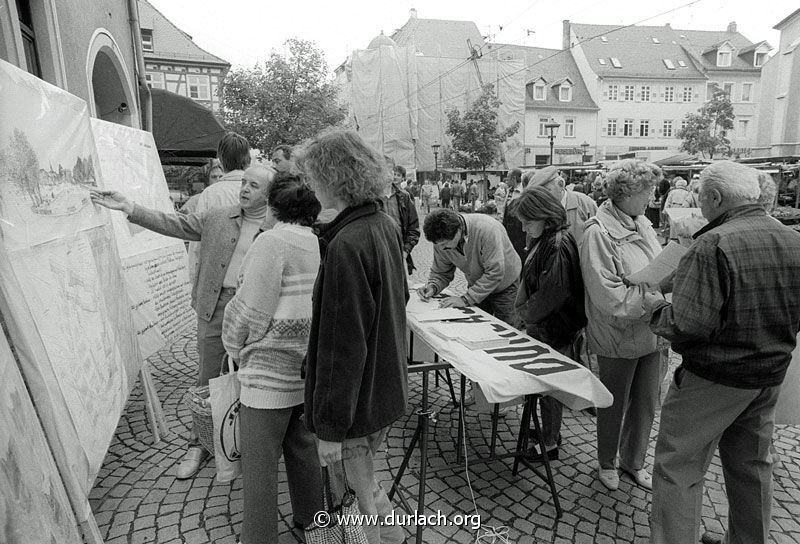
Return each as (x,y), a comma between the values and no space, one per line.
(787,412)
(33,501)
(155,266)
(61,284)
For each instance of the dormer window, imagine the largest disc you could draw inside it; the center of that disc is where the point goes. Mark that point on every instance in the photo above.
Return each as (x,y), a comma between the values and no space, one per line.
(682,64)
(565,92)
(669,64)
(539,92)
(724,55)
(603,39)
(147,40)
(602,62)
(615,62)
(759,58)
(656,40)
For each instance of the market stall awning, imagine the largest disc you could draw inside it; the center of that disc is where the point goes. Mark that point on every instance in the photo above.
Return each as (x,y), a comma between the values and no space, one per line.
(185,132)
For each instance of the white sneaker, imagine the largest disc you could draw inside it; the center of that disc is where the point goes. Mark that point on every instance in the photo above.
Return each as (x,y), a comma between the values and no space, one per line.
(641,477)
(609,478)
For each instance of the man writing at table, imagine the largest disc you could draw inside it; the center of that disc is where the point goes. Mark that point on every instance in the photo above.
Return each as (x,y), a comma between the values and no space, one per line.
(477,245)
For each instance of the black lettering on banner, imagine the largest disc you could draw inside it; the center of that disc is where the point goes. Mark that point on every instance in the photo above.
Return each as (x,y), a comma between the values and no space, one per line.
(537,367)
(510,353)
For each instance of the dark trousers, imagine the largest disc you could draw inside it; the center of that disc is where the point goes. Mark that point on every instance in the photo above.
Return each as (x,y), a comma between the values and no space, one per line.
(265,434)
(501,305)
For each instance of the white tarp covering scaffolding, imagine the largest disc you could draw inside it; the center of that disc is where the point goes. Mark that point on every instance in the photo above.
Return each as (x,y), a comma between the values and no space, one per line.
(399,100)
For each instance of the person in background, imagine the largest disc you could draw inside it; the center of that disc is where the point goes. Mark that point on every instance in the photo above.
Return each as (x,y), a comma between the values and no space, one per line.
(265,331)
(511,223)
(445,194)
(501,198)
(227,233)
(734,319)
(598,190)
(578,206)
(356,375)
(677,195)
(401,208)
(691,199)
(233,153)
(769,192)
(473,193)
(282,159)
(477,245)
(457,193)
(550,299)
(617,242)
(214,174)
(430,195)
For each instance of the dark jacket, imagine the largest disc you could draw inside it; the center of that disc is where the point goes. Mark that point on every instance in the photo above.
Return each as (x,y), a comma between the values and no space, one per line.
(550,297)
(409,224)
(513,227)
(356,376)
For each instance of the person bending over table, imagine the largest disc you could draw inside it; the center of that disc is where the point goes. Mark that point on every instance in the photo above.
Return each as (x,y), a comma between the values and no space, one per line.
(617,242)
(477,245)
(227,234)
(550,297)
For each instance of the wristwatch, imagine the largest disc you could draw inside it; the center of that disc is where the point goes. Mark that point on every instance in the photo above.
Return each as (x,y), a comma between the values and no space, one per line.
(465,300)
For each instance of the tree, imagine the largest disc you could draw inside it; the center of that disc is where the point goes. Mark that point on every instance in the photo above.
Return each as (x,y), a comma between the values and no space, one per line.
(22,166)
(475,136)
(285,101)
(706,131)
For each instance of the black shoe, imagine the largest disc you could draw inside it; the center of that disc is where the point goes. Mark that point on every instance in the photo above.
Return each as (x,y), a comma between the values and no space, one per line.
(534,455)
(591,410)
(711,538)
(533,437)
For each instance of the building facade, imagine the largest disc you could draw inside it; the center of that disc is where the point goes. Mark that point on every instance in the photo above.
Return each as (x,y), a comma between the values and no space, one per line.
(555,93)
(646,79)
(779,109)
(175,63)
(78,47)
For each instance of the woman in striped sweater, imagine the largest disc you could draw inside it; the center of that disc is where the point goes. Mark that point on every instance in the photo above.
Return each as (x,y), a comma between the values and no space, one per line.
(265,330)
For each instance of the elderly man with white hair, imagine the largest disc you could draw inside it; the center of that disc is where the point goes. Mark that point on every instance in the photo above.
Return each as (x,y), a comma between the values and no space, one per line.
(734,318)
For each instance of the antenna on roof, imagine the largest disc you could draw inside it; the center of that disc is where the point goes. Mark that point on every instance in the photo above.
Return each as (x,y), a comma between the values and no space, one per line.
(528,32)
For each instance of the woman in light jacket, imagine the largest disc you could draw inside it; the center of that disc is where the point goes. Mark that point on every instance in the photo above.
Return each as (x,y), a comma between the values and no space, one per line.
(617,242)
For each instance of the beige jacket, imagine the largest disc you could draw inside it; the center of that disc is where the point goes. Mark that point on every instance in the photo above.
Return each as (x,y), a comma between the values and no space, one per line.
(614,246)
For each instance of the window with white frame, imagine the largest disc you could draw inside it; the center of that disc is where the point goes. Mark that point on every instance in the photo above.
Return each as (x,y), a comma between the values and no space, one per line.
(711,88)
(542,128)
(644,128)
(611,127)
(147,40)
(569,127)
(155,80)
(684,123)
(682,63)
(669,93)
(724,58)
(759,58)
(645,93)
(687,93)
(198,87)
(667,128)
(615,62)
(565,92)
(747,92)
(602,62)
(727,88)
(741,131)
(613,92)
(627,127)
(628,93)
(669,64)
(539,91)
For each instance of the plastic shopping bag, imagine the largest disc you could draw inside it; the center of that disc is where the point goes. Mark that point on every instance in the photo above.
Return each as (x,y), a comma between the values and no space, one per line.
(224,399)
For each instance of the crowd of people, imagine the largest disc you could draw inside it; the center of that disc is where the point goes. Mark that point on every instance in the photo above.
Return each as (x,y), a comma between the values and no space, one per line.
(300,276)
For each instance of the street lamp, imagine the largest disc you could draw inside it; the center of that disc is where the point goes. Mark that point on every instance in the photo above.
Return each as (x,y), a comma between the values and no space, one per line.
(552,130)
(584,146)
(436,147)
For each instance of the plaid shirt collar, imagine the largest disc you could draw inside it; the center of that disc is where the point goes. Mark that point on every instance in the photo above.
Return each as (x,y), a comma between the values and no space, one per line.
(739,211)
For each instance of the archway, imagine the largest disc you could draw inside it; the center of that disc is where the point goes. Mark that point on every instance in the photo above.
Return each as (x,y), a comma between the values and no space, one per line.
(112,95)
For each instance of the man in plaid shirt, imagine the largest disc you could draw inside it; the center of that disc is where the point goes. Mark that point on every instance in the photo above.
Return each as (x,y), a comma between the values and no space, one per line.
(734,318)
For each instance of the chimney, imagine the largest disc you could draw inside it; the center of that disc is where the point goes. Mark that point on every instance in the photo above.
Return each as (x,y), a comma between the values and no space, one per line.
(668,25)
(412,13)
(565,35)
(732,27)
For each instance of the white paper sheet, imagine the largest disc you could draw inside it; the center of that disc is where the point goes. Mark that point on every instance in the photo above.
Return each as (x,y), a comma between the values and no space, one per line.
(662,266)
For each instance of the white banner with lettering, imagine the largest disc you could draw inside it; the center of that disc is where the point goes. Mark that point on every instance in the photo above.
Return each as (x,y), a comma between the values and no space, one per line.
(519,366)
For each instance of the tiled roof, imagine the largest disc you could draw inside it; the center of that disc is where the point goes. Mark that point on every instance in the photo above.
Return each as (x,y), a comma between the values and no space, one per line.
(703,44)
(170,42)
(439,37)
(554,66)
(640,50)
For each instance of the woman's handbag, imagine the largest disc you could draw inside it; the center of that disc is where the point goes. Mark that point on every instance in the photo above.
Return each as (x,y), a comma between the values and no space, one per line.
(327,529)
(224,399)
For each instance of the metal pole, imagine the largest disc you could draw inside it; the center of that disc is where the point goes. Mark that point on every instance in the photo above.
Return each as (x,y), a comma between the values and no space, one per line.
(551,147)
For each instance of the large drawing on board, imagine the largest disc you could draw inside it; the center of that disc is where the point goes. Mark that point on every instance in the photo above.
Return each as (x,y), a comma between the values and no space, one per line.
(33,503)
(155,266)
(60,272)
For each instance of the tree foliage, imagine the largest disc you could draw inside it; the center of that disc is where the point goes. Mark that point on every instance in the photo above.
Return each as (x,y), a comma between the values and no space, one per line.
(475,136)
(285,101)
(22,166)
(706,131)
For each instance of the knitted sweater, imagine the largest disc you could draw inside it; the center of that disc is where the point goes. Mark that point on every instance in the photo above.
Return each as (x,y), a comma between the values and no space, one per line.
(267,323)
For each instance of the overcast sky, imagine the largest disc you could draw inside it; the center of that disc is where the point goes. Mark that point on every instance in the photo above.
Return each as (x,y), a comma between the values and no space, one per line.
(243,32)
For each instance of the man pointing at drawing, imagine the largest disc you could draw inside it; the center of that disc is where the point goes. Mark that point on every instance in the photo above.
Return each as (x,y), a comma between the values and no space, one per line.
(227,234)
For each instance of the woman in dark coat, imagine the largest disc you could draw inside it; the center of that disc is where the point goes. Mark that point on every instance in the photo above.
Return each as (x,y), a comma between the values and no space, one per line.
(550,296)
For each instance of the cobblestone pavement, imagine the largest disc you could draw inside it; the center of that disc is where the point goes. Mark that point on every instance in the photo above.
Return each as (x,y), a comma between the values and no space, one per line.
(137,498)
